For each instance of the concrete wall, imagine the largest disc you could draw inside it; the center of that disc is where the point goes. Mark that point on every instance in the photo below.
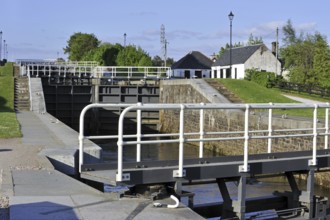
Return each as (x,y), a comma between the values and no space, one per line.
(193,91)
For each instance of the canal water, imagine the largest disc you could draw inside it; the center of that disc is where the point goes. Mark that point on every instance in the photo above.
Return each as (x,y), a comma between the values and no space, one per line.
(207,193)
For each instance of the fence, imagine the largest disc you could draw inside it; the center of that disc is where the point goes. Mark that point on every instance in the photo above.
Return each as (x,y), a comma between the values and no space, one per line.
(304,88)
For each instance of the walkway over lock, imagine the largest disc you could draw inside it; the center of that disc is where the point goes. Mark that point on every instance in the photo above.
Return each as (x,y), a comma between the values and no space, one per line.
(91,70)
(202,168)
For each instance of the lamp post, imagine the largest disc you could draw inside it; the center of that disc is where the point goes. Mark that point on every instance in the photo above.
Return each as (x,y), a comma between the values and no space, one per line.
(125,39)
(0,44)
(231,17)
(4,49)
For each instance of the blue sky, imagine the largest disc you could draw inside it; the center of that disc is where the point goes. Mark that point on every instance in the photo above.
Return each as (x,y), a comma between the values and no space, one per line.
(39,29)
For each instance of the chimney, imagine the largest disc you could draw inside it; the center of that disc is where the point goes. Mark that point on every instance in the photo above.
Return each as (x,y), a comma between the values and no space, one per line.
(274,47)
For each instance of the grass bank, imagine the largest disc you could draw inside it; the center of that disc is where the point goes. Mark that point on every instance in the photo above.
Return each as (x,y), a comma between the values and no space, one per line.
(9,126)
(251,92)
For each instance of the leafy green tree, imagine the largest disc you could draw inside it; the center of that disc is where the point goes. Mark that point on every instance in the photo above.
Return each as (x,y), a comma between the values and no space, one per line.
(169,61)
(145,61)
(289,33)
(254,40)
(106,54)
(131,56)
(79,45)
(222,51)
(157,61)
(306,57)
(322,62)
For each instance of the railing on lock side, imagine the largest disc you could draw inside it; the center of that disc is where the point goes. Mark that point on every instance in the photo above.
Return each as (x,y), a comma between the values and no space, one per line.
(61,70)
(203,136)
(131,72)
(89,69)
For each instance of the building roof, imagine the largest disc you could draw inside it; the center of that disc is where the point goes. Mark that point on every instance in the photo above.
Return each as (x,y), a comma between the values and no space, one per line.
(193,60)
(239,55)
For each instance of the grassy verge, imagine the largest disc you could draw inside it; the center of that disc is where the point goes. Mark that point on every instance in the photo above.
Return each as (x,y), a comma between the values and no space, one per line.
(251,92)
(9,126)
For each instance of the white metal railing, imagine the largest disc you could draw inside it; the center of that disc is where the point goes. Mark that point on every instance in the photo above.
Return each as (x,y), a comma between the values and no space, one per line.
(131,72)
(30,91)
(78,63)
(60,69)
(88,68)
(205,136)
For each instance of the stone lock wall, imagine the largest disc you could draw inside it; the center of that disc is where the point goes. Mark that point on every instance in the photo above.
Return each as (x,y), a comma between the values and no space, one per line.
(193,91)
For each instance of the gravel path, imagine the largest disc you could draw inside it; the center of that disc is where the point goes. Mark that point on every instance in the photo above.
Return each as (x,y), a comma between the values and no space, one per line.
(16,156)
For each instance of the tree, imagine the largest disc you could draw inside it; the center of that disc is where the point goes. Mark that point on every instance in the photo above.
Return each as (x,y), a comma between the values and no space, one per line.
(131,56)
(227,46)
(254,40)
(306,57)
(322,61)
(169,61)
(106,54)
(289,33)
(79,45)
(157,61)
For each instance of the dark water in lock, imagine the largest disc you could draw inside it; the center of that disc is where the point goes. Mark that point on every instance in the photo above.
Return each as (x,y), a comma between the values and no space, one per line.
(208,193)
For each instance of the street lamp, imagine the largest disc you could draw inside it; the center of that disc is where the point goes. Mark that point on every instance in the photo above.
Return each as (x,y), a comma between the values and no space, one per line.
(4,49)
(125,39)
(231,17)
(0,44)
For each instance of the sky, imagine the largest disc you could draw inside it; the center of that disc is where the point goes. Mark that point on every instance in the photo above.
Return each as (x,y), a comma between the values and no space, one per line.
(40,29)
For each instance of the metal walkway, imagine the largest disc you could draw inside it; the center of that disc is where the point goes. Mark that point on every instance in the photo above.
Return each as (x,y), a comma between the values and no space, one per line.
(201,136)
(81,70)
(220,169)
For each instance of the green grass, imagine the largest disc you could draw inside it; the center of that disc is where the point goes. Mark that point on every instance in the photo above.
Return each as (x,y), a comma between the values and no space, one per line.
(9,126)
(251,92)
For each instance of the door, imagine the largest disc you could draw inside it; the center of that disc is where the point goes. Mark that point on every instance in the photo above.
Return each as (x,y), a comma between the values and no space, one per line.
(187,74)
(198,74)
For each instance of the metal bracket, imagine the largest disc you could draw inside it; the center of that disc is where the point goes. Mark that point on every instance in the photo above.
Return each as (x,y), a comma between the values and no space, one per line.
(176,173)
(241,169)
(310,163)
(125,177)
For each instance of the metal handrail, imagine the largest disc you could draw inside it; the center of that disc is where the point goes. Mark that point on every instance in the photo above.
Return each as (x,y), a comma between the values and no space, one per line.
(131,72)
(182,136)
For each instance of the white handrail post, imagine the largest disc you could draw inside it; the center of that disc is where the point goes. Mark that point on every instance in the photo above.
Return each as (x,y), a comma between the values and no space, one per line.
(181,139)
(326,137)
(313,162)
(81,137)
(245,167)
(30,90)
(270,130)
(119,176)
(138,132)
(201,131)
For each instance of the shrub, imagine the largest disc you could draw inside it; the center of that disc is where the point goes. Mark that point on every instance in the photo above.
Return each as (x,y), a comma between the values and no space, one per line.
(265,79)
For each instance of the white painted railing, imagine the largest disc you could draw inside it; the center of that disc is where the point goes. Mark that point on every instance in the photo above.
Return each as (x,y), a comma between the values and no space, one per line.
(59,70)
(204,136)
(105,72)
(131,72)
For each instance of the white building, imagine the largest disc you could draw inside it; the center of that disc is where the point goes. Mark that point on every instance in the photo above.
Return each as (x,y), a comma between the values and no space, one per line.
(257,57)
(193,65)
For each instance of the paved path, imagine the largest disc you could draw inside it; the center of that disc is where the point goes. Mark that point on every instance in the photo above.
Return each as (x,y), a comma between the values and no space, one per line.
(34,190)
(303,100)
